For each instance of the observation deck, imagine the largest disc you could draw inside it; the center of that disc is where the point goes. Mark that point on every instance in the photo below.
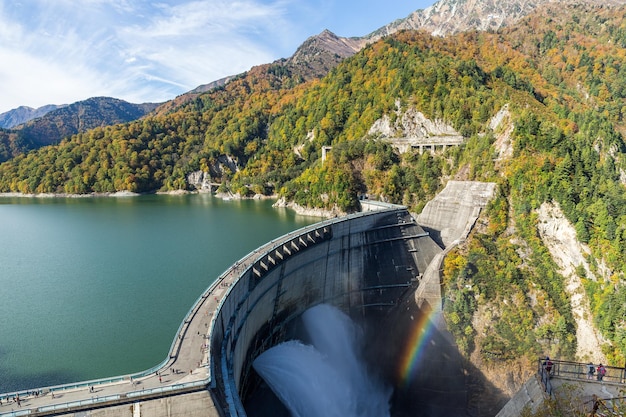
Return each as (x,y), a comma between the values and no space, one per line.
(568,384)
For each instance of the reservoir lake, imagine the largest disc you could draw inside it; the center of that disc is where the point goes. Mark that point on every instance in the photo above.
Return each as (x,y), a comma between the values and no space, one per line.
(97,287)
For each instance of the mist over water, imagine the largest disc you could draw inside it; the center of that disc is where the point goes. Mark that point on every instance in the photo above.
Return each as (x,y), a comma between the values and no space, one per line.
(328,377)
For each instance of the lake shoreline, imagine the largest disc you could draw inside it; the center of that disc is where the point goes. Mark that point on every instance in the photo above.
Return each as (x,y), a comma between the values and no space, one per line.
(280,202)
(223,196)
(67,195)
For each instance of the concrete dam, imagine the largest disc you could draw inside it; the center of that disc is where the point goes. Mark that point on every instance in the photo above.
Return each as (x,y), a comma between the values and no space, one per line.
(379,267)
(364,265)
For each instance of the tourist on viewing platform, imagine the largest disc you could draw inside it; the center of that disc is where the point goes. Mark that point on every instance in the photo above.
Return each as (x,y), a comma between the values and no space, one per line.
(601,372)
(591,369)
(548,365)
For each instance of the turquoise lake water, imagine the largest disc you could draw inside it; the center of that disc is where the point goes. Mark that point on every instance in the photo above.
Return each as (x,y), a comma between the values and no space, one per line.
(97,287)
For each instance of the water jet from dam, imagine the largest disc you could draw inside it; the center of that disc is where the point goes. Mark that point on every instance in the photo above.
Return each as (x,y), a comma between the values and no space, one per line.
(328,377)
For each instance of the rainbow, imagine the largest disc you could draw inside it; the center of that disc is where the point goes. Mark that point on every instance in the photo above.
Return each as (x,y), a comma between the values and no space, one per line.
(414,344)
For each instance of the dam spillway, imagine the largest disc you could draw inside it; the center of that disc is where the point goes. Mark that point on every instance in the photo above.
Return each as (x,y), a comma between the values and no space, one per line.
(363,264)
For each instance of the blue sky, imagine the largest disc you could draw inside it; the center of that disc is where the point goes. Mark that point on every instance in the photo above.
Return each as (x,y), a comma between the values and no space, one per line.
(62,51)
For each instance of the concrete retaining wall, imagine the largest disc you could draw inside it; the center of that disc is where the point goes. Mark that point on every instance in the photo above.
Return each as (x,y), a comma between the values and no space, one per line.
(530,397)
(452,212)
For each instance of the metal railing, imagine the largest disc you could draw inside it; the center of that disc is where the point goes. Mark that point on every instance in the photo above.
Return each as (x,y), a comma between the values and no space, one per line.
(107,400)
(579,370)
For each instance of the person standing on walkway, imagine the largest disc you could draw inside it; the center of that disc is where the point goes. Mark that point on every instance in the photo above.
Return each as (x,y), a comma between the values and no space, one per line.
(601,372)
(548,365)
(591,369)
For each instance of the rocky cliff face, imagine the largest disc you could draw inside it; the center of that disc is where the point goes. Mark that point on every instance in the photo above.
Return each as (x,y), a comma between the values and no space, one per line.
(560,238)
(412,124)
(412,129)
(202,180)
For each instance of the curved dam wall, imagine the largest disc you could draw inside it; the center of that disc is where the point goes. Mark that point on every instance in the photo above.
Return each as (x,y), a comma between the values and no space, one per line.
(364,264)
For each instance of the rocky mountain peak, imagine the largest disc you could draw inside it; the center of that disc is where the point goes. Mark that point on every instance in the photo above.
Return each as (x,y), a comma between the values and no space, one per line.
(448,17)
(326,43)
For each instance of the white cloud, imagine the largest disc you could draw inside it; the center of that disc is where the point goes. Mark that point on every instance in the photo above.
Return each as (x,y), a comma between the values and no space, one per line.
(61,51)
(29,79)
(56,51)
(200,41)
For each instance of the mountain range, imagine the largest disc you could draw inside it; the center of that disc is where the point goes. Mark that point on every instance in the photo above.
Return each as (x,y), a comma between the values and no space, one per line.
(314,58)
(23,114)
(447,17)
(49,124)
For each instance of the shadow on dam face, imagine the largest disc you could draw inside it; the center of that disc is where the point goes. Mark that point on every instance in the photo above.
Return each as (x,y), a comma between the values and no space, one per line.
(369,267)
(406,350)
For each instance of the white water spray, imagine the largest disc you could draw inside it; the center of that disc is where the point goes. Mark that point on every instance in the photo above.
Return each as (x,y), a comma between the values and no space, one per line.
(328,378)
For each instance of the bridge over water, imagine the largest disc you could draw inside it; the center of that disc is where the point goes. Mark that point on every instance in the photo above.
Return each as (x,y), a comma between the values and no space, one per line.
(381,267)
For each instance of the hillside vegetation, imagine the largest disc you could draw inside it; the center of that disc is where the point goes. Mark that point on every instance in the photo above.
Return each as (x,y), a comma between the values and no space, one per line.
(560,72)
(55,125)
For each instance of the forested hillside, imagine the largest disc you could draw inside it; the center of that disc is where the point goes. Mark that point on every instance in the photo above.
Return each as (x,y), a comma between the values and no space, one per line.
(77,117)
(561,73)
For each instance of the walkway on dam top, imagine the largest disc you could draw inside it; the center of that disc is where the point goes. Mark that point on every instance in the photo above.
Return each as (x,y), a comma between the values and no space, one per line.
(186,368)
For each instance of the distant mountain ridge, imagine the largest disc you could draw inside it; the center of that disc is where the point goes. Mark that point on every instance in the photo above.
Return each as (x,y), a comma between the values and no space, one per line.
(316,56)
(81,116)
(313,59)
(320,53)
(23,114)
(68,120)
